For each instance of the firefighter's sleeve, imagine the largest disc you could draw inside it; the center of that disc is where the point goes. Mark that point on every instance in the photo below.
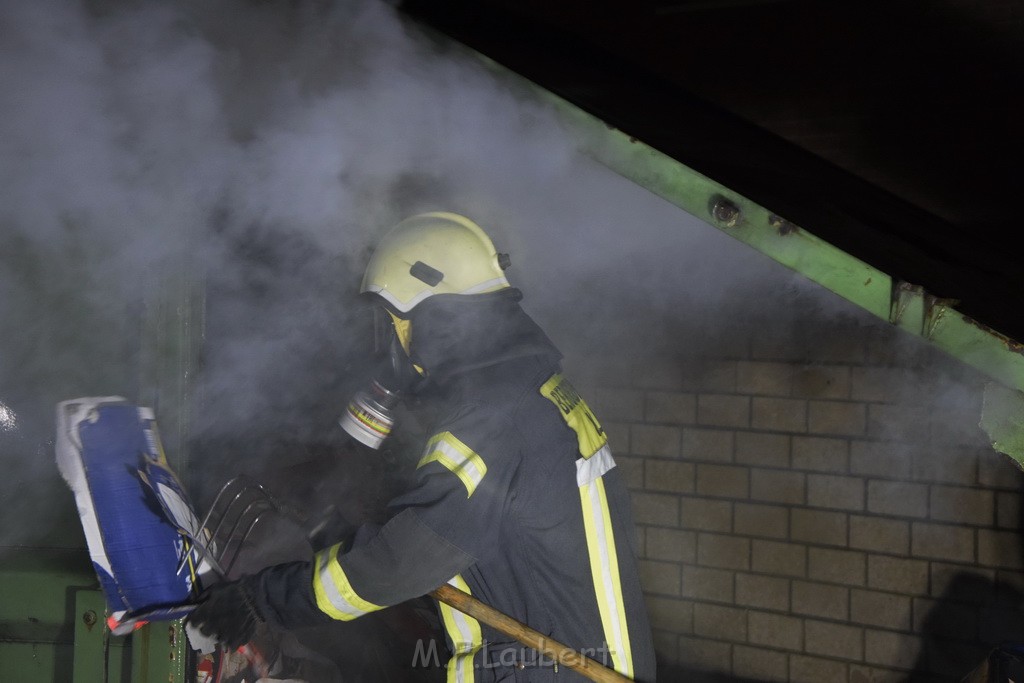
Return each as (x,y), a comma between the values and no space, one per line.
(448,521)
(402,560)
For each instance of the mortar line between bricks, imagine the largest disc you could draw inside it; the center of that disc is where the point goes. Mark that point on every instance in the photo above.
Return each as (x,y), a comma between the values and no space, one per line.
(802,617)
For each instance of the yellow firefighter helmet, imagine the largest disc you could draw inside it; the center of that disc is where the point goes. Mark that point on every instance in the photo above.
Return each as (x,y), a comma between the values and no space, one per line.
(433,253)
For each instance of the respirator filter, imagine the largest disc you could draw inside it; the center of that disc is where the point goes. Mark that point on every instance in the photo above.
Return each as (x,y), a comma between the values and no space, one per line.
(370,415)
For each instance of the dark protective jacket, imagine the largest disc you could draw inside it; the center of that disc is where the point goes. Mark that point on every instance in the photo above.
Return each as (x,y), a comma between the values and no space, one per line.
(517,501)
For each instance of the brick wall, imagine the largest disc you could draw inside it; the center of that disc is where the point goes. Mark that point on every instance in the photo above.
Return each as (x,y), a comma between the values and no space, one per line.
(821,506)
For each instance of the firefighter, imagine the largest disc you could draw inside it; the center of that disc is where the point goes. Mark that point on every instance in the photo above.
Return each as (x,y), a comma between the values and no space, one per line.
(516,499)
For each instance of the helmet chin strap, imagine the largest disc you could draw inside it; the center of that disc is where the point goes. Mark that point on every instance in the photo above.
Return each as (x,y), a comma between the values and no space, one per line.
(403,373)
(403,331)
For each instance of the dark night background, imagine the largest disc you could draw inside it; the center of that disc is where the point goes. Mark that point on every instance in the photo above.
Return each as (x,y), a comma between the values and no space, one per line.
(890,129)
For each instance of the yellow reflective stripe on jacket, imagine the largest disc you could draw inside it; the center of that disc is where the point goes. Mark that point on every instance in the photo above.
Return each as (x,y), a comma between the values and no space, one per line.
(464,632)
(334,594)
(462,460)
(604,567)
(576,413)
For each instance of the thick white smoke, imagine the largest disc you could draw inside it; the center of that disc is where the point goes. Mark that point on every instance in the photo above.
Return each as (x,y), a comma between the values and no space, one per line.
(262,146)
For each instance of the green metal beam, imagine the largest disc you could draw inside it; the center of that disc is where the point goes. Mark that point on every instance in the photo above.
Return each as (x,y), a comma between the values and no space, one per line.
(91,638)
(53,626)
(903,304)
(160,653)
(1002,418)
(52,619)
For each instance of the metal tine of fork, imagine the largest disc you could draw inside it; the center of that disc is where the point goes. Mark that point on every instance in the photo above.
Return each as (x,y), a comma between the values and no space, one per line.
(202,553)
(203,546)
(246,519)
(244,484)
(235,492)
(241,540)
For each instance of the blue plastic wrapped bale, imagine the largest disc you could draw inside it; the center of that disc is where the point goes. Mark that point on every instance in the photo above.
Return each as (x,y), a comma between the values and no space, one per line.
(110,454)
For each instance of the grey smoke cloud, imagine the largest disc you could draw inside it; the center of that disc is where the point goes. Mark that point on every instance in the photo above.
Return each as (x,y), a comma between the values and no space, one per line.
(263,145)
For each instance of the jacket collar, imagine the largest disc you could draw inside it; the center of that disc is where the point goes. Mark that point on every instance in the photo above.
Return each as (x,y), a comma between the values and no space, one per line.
(456,334)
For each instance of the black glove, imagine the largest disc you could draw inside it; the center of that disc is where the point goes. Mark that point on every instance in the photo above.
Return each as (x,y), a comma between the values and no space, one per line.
(226,611)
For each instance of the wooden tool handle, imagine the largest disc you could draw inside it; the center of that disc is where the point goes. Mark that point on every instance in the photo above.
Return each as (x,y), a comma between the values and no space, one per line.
(547,647)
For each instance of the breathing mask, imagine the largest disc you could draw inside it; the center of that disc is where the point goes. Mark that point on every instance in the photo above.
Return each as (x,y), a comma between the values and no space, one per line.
(370,415)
